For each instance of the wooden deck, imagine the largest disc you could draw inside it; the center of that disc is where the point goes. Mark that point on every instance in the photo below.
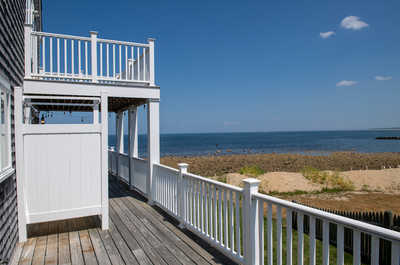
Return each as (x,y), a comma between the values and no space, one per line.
(138,234)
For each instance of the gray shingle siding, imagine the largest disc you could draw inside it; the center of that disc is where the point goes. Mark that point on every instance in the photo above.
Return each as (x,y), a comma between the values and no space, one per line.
(12,17)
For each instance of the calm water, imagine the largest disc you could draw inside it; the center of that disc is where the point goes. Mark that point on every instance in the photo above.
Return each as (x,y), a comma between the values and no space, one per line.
(315,142)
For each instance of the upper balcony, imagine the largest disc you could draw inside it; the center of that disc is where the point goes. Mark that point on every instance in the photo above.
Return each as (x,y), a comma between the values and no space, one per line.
(74,59)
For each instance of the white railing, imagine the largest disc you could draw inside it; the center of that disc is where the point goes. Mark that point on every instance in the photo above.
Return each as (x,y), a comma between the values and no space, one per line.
(63,57)
(139,170)
(232,219)
(208,208)
(288,209)
(254,228)
(123,167)
(132,171)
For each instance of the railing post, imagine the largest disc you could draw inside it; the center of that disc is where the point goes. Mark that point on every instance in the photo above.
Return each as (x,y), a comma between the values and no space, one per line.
(151,61)
(181,203)
(28,49)
(251,250)
(93,48)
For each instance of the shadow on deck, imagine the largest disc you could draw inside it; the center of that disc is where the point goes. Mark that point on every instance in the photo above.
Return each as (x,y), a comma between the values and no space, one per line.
(138,234)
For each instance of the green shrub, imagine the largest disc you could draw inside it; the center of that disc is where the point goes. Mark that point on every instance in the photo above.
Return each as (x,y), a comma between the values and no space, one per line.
(331,180)
(252,171)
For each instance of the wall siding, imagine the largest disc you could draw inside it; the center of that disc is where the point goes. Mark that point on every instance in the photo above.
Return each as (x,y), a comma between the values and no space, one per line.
(12,17)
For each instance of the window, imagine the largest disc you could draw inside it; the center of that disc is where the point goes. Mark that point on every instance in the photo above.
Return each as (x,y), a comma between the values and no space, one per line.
(5,130)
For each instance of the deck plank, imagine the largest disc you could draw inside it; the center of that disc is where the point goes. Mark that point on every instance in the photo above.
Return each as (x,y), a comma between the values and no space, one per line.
(148,238)
(126,254)
(40,251)
(129,238)
(87,248)
(111,248)
(52,250)
(99,248)
(27,252)
(64,254)
(163,233)
(75,247)
(172,232)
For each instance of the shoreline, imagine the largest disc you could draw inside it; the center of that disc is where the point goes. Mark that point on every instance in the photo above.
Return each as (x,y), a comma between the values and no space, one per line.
(217,165)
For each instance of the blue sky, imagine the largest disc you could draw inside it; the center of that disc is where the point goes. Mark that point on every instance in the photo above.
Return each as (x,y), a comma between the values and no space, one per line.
(230,66)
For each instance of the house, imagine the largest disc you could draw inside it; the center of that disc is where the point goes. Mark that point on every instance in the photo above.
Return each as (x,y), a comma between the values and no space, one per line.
(94,204)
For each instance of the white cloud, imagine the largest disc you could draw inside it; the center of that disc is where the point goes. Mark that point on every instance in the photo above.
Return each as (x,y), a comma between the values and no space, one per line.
(353,22)
(346,83)
(326,35)
(382,78)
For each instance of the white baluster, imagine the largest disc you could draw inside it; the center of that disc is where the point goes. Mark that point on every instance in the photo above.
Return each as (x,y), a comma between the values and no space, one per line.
(269,235)
(58,57)
(261,230)
(232,230)
(312,240)
(289,237)
(65,57)
(325,242)
(51,54)
(279,235)
(72,58)
(300,238)
(237,213)
(395,252)
(374,250)
(340,244)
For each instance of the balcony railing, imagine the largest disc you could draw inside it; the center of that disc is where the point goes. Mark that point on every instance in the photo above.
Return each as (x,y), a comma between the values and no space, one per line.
(254,228)
(50,56)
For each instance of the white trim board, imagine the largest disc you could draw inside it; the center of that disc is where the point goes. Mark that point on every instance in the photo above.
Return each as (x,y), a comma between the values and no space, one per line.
(63,214)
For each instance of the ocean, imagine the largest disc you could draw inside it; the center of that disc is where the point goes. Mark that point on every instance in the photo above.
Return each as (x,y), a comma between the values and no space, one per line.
(311,142)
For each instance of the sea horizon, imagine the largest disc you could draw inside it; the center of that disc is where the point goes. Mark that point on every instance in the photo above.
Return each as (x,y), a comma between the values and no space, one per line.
(310,142)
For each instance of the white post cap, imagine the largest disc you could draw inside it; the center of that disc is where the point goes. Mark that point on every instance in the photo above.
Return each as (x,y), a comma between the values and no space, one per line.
(183,165)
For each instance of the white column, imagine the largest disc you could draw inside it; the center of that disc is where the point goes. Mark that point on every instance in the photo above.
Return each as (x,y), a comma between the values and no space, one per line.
(96,113)
(153,142)
(251,233)
(27,113)
(104,161)
(19,148)
(120,132)
(133,141)
(133,132)
(28,50)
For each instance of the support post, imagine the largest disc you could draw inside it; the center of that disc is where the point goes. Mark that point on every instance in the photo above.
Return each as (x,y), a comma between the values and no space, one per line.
(96,113)
(251,228)
(151,62)
(93,48)
(153,145)
(19,148)
(104,161)
(120,138)
(133,141)
(181,198)
(28,49)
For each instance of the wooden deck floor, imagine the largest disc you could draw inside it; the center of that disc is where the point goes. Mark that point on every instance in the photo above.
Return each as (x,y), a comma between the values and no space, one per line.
(138,234)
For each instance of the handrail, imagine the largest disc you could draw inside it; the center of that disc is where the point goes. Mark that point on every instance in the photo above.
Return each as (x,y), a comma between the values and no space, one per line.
(351,223)
(214,182)
(57,35)
(128,43)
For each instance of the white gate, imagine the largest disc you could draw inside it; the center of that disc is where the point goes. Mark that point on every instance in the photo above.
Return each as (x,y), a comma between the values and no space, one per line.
(62,169)
(62,165)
